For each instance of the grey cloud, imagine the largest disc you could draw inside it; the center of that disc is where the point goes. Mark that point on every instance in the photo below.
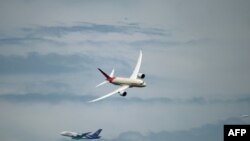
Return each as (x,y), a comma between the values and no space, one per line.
(27,40)
(200,69)
(155,43)
(51,98)
(52,63)
(191,100)
(93,27)
(206,132)
(166,43)
(57,98)
(36,35)
(35,63)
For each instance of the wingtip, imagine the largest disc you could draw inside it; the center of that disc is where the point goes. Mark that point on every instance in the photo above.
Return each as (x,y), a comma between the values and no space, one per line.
(91,101)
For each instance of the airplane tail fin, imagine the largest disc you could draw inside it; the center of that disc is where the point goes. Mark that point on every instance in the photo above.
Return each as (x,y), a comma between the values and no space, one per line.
(112,73)
(109,78)
(96,134)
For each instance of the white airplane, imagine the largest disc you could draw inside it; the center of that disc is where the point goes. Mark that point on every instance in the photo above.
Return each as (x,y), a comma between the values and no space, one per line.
(135,80)
(87,135)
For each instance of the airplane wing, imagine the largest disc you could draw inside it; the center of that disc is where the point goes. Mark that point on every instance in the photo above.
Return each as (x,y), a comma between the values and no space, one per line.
(122,88)
(137,67)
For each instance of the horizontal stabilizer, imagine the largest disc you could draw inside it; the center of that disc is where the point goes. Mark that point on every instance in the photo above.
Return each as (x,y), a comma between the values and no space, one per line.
(104,82)
(107,76)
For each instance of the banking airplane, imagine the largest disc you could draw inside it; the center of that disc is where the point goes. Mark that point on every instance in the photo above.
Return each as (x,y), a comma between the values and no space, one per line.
(77,136)
(135,80)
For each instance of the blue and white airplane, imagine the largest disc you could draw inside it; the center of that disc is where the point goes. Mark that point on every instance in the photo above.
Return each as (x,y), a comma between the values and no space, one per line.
(87,135)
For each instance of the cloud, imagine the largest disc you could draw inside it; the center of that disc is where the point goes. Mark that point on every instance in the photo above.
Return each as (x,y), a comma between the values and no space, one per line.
(37,112)
(83,37)
(206,132)
(56,98)
(44,98)
(27,40)
(183,101)
(195,55)
(35,63)
(92,28)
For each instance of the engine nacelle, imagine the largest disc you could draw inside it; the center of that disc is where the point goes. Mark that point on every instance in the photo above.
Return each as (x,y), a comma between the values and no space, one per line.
(122,93)
(141,75)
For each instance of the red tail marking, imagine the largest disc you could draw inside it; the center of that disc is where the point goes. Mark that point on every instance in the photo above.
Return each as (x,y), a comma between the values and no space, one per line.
(107,76)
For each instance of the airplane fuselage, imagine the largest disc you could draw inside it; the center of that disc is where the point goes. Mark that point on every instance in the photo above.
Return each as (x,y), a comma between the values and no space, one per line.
(87,135)
(69,134)
(128,81)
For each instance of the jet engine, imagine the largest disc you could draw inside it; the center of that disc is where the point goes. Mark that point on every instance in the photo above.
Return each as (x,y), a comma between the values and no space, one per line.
(141,75)
(122,93)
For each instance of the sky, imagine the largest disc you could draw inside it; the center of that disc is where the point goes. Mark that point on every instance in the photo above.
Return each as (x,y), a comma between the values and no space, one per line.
(195,57)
